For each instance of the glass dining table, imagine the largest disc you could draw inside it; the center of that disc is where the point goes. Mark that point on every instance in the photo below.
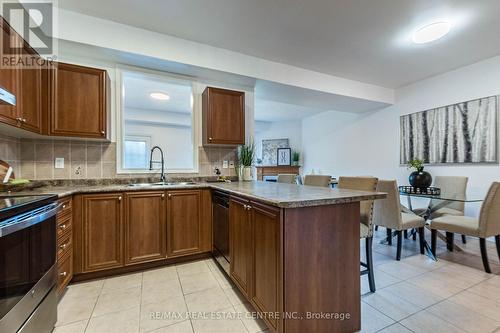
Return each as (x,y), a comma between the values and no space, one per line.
(438,201)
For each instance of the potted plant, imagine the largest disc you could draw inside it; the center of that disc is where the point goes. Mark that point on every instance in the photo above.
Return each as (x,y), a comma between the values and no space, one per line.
(419,178)
(295,158)
(246,155)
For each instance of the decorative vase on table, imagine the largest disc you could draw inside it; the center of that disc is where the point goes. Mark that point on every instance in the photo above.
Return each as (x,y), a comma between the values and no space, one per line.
(247,173)
(420,179)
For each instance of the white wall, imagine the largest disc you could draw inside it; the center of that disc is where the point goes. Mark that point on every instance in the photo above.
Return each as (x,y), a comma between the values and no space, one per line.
(291,130)
(368,144)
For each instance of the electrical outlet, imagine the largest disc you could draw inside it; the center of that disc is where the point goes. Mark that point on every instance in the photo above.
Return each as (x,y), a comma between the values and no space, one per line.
(231,164)
(225,164)
(59,163)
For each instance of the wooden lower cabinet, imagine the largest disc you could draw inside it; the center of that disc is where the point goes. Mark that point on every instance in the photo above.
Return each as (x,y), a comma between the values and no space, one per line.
(98,227)
(64,234)
(254,231)
(240,244)
(118,230)
(265,260)
(188,222)
(145,227)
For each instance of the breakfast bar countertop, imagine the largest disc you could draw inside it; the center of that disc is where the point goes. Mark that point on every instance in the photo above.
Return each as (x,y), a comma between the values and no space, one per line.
(276,194)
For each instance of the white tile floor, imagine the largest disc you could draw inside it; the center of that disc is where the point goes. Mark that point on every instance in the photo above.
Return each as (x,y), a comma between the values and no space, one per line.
(414,295)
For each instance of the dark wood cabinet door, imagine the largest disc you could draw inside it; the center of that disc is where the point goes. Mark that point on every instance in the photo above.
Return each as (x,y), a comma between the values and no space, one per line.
(240,242)
(184,223)
(265,253)
(31,95)
(223,117)
(102,232)
(9,77)
(145,227)
(78,101)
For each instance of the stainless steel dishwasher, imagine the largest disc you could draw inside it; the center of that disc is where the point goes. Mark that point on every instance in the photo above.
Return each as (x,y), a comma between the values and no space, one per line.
(220,215)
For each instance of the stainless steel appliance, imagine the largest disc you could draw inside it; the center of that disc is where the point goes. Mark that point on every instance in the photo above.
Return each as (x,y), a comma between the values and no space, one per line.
(6,98)
(220,215)
(28,300)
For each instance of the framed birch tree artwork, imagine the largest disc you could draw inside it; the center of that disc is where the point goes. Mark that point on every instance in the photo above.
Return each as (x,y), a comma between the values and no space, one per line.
(460,133)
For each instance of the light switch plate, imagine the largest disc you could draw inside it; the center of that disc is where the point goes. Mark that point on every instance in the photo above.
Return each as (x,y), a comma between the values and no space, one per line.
(59,163)
(225,164)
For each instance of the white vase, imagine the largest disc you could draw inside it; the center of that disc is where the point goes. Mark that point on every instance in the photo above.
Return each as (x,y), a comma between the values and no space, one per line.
(247,173)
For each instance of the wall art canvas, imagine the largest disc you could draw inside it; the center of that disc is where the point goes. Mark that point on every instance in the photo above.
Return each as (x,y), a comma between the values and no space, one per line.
(459,133)
(270,150)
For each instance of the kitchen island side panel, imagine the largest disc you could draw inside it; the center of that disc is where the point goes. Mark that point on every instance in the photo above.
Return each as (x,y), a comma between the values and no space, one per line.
(321,268)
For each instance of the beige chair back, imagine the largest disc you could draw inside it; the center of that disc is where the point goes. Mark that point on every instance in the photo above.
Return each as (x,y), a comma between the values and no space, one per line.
(317,180)
(287,178)
(453,187)
(387,212)
(362,184)
(489,218)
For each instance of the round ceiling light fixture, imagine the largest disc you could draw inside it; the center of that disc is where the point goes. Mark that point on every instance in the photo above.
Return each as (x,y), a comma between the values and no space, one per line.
(431,32)
(159,96)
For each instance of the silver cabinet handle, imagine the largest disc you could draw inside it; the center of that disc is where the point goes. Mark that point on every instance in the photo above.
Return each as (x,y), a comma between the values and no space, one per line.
(163,195)
(209,139)
(62,226)
(62,247)
(102,132)
(169,196)
(63,274)
(120,198)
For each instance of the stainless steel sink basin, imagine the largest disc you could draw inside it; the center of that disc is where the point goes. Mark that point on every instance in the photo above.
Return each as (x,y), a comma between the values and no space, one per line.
(173,183)
(140,185)
(161,184)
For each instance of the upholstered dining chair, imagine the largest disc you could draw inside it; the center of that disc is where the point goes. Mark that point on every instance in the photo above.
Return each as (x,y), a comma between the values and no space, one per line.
(287,178)
(366,219)
(317,180)
(488,225)
(387,213)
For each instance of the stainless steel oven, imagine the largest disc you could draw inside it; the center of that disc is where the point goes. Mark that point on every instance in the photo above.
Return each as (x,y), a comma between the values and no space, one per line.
(220,216)
(28,301)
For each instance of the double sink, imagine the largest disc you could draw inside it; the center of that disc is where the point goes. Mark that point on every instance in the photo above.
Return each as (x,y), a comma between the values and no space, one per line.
(161,184)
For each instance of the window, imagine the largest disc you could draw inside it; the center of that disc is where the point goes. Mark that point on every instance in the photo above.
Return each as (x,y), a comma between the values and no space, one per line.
(157,111)
(136,152)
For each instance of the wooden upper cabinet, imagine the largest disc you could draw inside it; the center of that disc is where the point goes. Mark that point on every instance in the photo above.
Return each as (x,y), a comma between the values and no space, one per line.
(10,78)
(79,101)
(145,227)
(223,117)
(240,244)
(265,253)
(184,223)
(30,96)
(101,223)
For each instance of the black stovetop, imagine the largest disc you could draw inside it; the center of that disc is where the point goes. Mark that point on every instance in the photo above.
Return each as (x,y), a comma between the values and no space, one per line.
(16,204)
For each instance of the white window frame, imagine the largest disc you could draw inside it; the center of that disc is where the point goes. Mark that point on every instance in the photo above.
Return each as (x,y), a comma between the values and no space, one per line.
(120,119)
(140,138)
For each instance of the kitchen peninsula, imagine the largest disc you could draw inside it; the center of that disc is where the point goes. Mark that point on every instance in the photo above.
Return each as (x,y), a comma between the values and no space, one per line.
(294,249)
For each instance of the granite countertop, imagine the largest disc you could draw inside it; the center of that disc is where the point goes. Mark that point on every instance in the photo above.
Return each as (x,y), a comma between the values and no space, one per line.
(276,194)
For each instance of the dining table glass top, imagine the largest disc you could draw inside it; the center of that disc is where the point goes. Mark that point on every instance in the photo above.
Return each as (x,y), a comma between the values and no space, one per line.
(444,197)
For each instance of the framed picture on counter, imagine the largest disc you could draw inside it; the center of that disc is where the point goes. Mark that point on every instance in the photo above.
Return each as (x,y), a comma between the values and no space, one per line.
(284,156)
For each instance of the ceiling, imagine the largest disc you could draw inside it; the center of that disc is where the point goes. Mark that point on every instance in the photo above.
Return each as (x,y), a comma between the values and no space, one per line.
(137,88)
(369,41)
(270,111)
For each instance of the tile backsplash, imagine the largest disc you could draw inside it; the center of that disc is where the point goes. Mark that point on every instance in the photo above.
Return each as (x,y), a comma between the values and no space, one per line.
(35,159)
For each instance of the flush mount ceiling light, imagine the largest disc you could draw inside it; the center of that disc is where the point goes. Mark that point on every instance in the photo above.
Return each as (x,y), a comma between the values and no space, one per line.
(159,96)
(431,32)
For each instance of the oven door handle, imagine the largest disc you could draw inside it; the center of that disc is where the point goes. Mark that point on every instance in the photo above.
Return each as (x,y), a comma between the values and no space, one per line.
(38,216)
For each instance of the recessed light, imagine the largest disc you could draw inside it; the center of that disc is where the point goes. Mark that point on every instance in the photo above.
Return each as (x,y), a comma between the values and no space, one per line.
(431,32)
(160,96)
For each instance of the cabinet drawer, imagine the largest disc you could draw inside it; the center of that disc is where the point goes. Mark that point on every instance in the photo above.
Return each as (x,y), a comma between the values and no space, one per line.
(64,246)
(66,207)
(64,225)
(64,273)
